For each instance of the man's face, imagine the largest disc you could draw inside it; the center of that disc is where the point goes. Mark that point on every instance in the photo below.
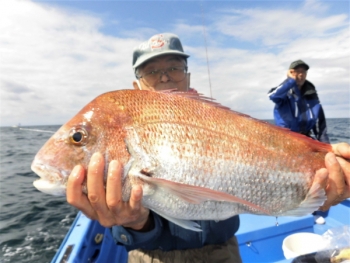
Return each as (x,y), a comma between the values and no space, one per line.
(300,74)
(162,80)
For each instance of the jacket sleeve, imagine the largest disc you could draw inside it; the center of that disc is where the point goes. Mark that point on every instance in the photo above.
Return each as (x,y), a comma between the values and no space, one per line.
(132,239)
(321,128)
(279,94)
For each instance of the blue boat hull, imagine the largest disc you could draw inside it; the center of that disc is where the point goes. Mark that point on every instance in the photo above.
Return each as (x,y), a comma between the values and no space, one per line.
(259,237)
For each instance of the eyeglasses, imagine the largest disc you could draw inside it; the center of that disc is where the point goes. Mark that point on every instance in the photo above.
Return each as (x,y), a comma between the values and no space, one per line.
(176,74)
(300,71)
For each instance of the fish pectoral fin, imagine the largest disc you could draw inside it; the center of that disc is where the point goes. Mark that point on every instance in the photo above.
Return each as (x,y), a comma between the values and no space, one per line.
(314,199)
(187,224)
(196,194)
(148,189)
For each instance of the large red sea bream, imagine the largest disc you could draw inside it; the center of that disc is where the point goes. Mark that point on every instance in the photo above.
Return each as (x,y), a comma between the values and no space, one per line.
(195,160)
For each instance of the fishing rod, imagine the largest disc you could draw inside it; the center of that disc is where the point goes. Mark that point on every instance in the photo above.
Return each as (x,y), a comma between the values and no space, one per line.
(206,50)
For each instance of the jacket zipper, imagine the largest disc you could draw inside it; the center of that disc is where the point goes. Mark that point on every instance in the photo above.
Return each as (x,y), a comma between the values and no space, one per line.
(311,115)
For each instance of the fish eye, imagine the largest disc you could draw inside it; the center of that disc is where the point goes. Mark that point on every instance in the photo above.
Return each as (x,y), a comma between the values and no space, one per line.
(78,136)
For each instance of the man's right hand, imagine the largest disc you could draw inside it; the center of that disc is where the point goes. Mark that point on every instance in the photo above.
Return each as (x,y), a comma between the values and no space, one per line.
(291,74)
(106,204)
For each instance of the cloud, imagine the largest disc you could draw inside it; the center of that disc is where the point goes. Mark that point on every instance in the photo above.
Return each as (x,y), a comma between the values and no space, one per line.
(315,5)
(60,57)
(54,60)
(14,88)
(277,26)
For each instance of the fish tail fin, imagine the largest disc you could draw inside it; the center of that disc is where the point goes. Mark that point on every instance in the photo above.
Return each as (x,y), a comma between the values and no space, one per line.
(314,199)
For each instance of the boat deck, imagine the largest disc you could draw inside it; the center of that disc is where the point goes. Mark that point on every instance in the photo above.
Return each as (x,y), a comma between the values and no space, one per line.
(259,237)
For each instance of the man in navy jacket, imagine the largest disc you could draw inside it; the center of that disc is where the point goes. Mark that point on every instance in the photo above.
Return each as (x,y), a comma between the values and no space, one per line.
(297,106)
(160,63)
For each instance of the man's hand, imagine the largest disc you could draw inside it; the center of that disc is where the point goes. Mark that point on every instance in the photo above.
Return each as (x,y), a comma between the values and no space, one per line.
(338,170)
(107,205)
(291,73)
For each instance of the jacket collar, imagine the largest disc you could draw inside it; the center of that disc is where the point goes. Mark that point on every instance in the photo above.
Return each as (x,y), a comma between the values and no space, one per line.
(308,88)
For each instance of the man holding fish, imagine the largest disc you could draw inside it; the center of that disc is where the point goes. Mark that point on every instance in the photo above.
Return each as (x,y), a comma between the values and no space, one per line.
(161,64)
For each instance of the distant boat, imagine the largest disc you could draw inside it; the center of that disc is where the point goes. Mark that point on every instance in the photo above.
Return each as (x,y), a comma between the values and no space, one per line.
(17,126)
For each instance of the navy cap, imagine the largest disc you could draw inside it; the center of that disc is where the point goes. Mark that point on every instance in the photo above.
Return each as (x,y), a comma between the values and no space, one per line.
(299,63)
(157,45)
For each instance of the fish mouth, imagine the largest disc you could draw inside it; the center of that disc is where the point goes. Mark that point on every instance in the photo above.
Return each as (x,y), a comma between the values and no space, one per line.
(52,181)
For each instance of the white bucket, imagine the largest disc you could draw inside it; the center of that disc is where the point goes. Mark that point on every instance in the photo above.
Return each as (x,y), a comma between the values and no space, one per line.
(302,243)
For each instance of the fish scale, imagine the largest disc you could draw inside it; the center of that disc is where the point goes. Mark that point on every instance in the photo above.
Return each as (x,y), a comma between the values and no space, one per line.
(194,158)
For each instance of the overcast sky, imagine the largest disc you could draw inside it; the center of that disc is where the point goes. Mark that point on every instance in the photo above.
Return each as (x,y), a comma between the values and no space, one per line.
(56,56)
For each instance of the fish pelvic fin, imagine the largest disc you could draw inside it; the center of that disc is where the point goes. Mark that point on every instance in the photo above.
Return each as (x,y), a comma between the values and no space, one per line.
(187,224)
(314,199)
(196,194)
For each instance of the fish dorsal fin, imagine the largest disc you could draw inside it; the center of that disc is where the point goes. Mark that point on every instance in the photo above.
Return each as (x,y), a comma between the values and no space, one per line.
(196,194)
(193,94)
(315,146)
